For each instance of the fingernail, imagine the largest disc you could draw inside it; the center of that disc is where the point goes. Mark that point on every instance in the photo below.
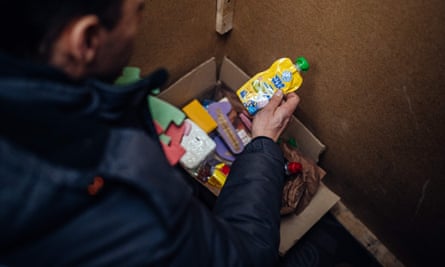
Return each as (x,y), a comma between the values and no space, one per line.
(279,93)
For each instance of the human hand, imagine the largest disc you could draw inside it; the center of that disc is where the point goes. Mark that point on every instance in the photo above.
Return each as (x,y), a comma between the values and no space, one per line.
(273,118)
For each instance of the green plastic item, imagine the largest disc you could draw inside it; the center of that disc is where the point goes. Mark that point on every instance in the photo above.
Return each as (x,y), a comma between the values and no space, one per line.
(165,139)
(129,75)
(292,142)
(302,64)
(156,91)
(164,113)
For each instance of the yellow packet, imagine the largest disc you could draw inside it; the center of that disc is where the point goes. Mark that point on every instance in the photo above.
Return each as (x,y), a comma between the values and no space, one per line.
(283,75)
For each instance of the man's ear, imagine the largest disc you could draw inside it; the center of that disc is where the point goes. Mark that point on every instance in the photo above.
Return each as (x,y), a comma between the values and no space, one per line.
(84,37)
(77,46)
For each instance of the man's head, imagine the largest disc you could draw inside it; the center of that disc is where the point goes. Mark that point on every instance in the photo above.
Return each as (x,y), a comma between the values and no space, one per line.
(82,37)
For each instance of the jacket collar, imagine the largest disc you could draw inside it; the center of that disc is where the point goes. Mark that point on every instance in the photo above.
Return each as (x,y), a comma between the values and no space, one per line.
(40,105)
(45,89)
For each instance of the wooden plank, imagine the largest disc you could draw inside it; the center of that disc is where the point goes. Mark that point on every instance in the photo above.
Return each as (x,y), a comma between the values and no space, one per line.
(364,236)
(224,15)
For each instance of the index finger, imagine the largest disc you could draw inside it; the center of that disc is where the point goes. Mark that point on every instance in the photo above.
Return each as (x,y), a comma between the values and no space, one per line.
(275,100)
(288,106)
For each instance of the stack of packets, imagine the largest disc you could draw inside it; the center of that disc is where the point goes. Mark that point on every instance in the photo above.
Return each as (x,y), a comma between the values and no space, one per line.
(207,134)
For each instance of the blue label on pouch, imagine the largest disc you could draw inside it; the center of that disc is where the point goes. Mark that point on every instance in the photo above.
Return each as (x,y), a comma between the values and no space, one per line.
(243,93)
(277,82)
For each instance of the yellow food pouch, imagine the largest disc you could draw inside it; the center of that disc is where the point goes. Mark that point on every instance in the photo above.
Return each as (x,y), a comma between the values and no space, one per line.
(283,75)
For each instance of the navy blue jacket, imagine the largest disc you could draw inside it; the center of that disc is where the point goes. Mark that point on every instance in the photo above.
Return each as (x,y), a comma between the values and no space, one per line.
(58,136)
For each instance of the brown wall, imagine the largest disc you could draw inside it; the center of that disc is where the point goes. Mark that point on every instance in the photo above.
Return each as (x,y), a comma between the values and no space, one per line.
(177,35)
(374,95)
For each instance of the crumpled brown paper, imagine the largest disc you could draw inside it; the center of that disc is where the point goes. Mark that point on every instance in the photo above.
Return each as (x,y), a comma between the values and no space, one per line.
(299,190)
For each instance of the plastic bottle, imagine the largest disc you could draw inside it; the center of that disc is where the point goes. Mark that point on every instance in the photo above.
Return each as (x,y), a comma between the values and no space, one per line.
(283,75)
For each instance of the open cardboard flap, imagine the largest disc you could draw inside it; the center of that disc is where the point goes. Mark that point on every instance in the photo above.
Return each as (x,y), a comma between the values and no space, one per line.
(204,78)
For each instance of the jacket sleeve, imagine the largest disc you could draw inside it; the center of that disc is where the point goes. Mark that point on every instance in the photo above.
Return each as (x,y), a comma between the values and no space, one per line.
(244,227)
(251,199)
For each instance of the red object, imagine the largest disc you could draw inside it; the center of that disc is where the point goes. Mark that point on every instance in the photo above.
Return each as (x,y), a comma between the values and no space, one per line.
(293,168)
(174,151)
(96,185)
(225,170)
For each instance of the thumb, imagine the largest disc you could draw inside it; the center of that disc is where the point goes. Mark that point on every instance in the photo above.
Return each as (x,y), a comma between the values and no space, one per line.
(275,101)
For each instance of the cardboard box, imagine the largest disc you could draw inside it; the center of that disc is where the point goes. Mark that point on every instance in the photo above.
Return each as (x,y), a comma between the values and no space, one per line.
(204,78)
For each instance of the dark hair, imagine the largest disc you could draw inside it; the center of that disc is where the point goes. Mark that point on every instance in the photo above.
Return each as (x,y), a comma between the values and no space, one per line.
(28,27)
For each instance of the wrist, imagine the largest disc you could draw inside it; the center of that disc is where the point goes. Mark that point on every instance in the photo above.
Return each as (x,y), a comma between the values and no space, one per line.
(265,144)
